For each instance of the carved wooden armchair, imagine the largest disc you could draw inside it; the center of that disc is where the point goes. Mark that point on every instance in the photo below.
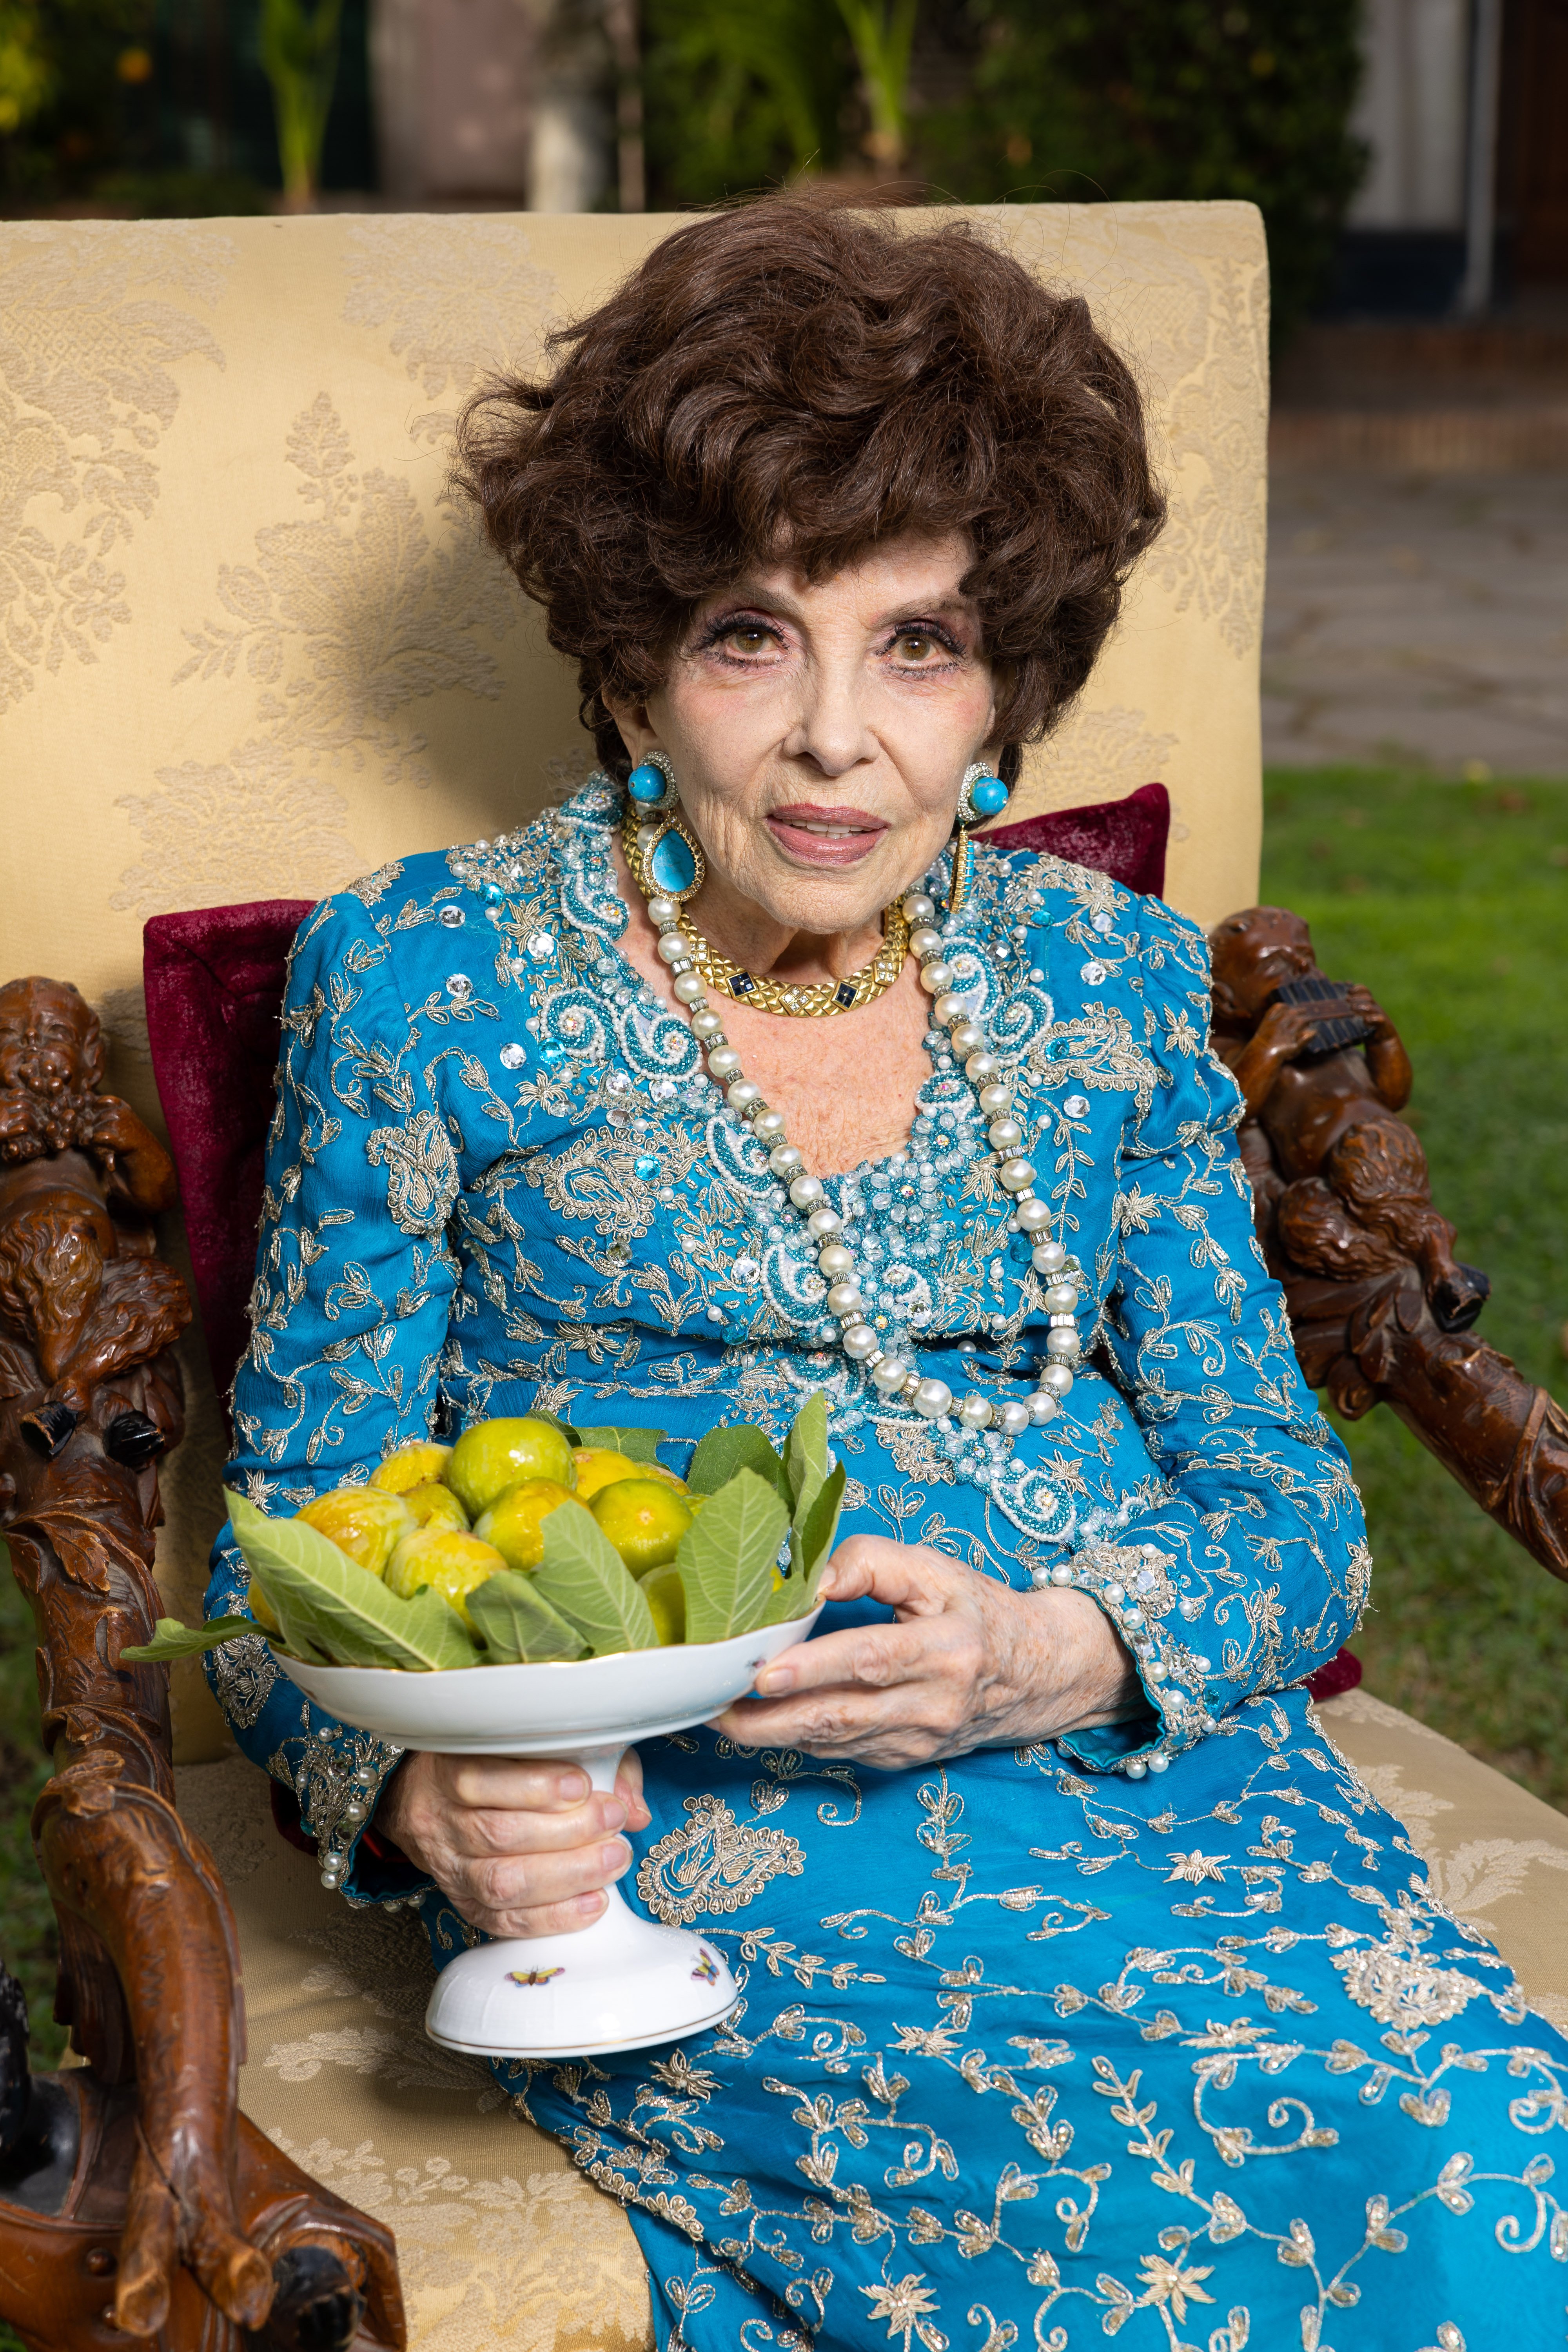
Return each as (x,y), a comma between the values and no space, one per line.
(249,654)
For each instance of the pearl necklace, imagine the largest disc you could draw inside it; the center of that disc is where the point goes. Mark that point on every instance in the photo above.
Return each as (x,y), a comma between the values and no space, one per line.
(889,1373)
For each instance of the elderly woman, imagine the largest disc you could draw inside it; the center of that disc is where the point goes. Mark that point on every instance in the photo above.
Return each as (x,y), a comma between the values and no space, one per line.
(1086,1989)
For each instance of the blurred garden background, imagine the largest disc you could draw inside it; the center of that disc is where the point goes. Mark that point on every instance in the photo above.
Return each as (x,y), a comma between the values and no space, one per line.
(1409,160)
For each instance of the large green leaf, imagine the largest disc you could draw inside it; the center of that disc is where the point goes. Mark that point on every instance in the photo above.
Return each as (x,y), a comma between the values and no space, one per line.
(585,1577)
(637,1444)
(727,1558)
(810,1547)
(518,1624)
(741,1446)
(173,1640)
(805,1454)
(338,1608)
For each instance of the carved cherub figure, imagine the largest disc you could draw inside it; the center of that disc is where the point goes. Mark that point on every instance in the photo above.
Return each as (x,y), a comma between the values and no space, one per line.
(85,1307)
(1340,1182)
(51,1065)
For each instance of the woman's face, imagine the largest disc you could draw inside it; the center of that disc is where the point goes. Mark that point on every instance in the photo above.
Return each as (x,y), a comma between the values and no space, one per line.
(819,731)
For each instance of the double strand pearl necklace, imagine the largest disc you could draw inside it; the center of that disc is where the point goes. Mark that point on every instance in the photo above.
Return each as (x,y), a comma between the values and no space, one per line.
(890,1373)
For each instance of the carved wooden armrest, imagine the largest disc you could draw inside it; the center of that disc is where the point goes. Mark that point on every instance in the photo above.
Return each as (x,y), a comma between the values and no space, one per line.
(134,2195)
(1381,1309)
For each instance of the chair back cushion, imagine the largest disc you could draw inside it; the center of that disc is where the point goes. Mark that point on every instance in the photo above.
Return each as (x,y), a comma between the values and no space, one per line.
(214,981)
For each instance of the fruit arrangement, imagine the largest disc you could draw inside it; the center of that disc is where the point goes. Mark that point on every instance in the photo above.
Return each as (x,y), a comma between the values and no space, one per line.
(530,1543)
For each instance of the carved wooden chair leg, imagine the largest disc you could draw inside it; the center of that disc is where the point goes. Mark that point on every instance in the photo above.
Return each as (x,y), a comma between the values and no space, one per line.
(135,2201)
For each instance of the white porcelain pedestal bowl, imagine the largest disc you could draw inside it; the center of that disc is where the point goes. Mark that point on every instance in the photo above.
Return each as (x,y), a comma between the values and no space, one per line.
(623,1982)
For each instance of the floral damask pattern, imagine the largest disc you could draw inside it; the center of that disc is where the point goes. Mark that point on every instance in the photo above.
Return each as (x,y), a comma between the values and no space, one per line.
(418,279)
(346,620)
(91,336)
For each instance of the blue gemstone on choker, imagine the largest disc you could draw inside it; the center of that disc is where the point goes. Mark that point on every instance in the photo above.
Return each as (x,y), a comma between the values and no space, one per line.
(989,795)
(672,866)
(740,983)
(648,784)
(844,991)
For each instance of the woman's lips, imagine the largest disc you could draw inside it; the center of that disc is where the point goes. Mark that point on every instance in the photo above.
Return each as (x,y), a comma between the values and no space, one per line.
(824,836)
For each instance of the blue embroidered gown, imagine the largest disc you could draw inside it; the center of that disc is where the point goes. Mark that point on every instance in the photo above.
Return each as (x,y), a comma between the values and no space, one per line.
(1153,2030)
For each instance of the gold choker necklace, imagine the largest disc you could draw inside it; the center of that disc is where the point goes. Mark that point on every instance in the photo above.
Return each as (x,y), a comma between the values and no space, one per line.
(812,1000)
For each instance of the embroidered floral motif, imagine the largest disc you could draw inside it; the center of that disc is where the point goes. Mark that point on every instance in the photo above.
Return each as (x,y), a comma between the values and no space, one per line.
(422,1173)
(714,1865)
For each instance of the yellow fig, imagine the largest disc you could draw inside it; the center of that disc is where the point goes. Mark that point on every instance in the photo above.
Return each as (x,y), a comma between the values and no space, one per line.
(451,1561)
(411,1466)
(261,1609)
(666,1596)
(515,1524)
(436,1506)
(645,1518)
(494,1455)
(365,1521)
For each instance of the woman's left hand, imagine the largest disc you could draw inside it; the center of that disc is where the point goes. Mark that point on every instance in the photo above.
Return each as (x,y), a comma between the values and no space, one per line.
(968,1664)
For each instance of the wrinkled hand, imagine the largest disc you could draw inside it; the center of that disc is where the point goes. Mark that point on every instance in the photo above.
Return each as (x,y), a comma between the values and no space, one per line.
(520,1848)
(968,1664)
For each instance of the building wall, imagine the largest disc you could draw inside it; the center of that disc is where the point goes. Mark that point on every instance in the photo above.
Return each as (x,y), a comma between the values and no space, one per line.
(1412,111)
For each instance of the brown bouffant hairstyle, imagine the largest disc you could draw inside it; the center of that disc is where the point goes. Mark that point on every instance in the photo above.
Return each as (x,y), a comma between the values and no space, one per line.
(798,377)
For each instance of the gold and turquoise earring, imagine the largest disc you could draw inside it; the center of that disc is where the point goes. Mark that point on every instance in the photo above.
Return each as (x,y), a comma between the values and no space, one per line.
(664,856)
(982,795)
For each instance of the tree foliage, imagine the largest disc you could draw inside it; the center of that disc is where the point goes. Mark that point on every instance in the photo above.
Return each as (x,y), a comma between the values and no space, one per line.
(1137,99)
(743,98)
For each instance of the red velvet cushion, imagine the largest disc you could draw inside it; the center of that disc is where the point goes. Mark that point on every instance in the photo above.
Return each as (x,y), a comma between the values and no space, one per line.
(1125,839)
(214,989)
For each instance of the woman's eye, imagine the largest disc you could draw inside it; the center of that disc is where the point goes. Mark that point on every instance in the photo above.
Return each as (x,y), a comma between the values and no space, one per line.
(747,638)
(918,646)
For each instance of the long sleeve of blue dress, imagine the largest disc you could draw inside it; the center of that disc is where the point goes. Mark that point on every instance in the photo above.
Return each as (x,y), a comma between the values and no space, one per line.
(1248,1568)
(352,1261)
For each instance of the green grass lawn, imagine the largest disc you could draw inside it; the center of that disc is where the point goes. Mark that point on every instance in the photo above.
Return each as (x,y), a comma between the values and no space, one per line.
(1451,901)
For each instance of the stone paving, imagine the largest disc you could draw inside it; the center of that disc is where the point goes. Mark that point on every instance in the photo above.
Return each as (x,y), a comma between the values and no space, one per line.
(1417,620)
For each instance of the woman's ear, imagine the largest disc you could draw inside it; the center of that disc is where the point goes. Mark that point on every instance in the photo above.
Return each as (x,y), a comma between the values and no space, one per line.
(637,731)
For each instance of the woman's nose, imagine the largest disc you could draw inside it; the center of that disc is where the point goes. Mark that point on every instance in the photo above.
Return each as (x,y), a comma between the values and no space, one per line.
(831,729)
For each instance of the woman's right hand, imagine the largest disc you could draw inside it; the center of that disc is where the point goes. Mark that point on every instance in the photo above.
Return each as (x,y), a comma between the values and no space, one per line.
(520,1848)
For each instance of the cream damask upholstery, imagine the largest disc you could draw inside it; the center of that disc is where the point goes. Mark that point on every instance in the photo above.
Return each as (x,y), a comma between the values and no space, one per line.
(249,648)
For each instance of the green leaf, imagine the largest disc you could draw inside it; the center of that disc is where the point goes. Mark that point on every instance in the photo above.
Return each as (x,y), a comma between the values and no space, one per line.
(805,1453)
(811,1541)
(173,1640)
(586,1579)
(338,1608)
(727,1558)
(741,1446)
(637,1444)
(519,1625)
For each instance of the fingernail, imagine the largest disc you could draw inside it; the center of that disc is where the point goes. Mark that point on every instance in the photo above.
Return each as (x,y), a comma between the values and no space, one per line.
(617,1858)
(588,1906)
(615,1813)
(776,1678)
(573,1786)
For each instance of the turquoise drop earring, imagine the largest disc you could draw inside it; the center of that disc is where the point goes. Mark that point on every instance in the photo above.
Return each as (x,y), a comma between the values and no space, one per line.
(982,794)
(671,855)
